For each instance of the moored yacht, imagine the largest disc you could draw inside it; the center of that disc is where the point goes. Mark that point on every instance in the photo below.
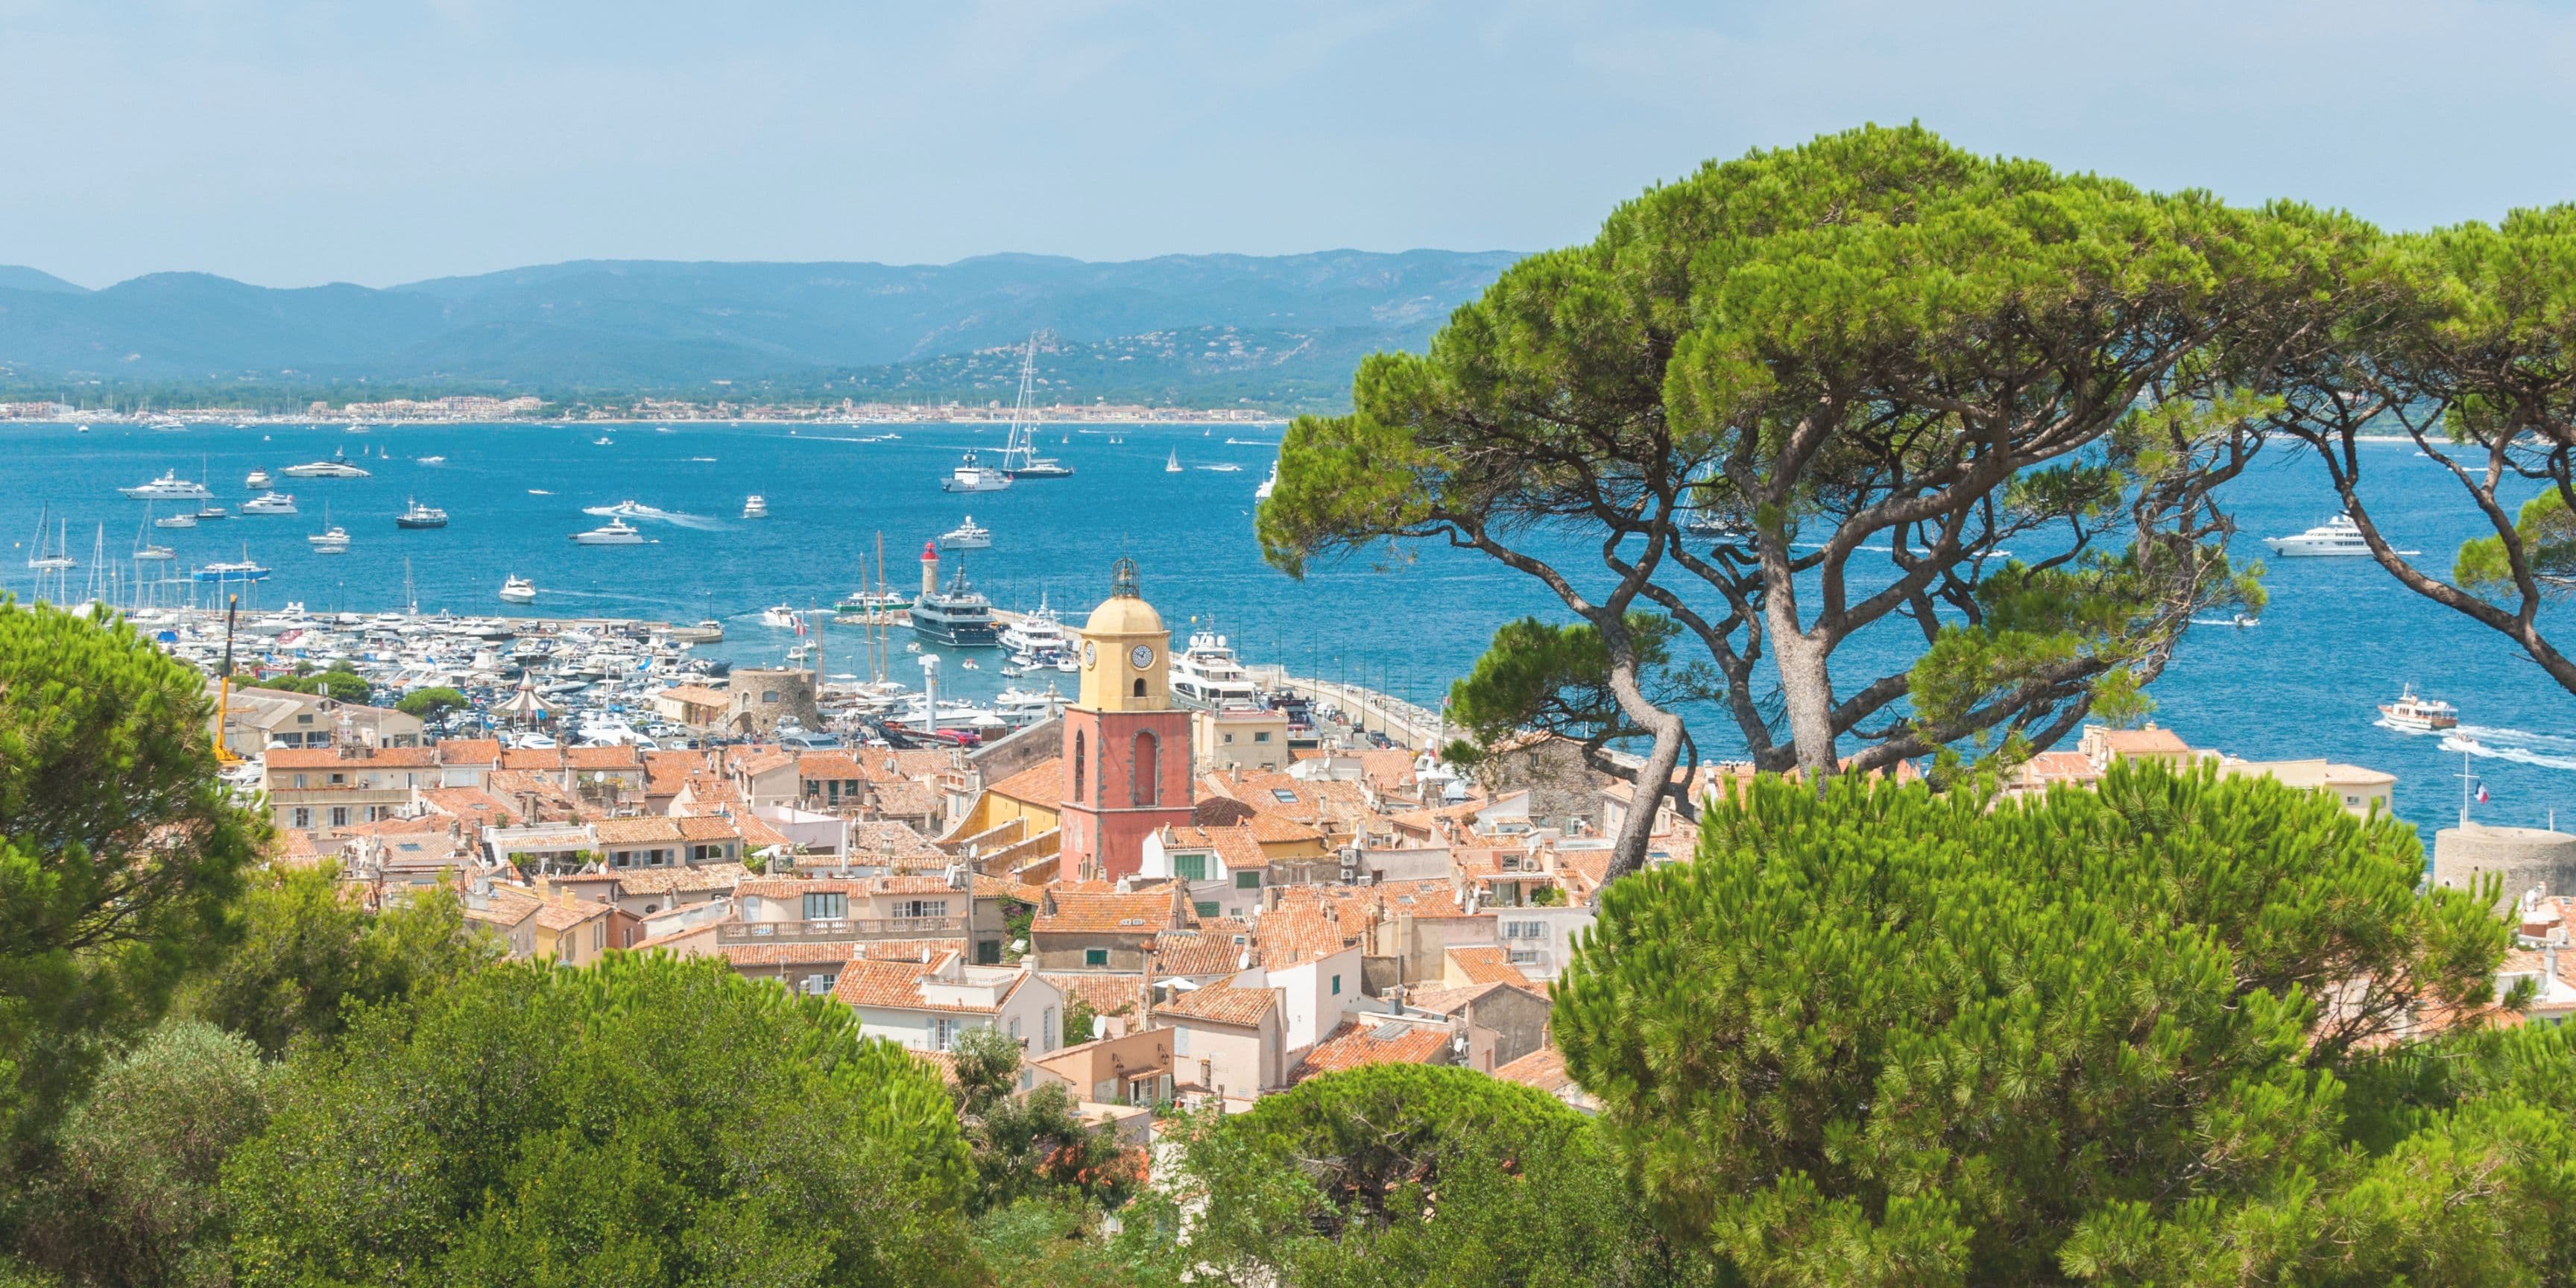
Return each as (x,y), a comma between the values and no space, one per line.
(2338,536)
(1207,675)
(972,476)
(168,487)
(258,478)
(616,532)
(2420,715)
(338,467)
(417,515)
(270,503)
(231,571)
(956,614)
(967,536)
(518,590)
(176,521)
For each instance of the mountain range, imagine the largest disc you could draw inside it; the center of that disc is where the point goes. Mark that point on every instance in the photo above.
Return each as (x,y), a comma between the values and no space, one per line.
(1204,330)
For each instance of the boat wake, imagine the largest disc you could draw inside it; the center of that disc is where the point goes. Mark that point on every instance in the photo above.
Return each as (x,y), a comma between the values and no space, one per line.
(2226,621)
(2547,751)
(622,510)
(538,491)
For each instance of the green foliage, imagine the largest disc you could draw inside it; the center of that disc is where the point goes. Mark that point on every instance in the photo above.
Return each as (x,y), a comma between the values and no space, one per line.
(339,684)
(1078,1021)
(1058,1243)
(2547,531)
(1415,1175)
(1557,679)
(1032,1145)
(1893,1037)
(430,703)
(134,1201)
(642,1121)
(309,953)
(119,847)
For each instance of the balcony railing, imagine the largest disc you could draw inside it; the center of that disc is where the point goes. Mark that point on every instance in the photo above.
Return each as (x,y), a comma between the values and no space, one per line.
(842,930)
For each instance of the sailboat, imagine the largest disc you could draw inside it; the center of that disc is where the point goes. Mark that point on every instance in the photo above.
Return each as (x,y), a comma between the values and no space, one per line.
(145,550)
(332,539)
(59,563)
(1019,454)
(1173,466)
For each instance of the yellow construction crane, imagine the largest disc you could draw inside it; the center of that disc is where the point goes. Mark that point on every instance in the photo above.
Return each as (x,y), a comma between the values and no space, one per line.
(224,703)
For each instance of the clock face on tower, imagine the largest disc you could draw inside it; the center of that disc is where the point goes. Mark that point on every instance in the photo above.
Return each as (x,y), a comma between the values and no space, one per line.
(1090,654)
(1141,656)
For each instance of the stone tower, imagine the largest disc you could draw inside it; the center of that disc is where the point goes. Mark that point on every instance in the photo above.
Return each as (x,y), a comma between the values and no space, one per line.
(1126,749)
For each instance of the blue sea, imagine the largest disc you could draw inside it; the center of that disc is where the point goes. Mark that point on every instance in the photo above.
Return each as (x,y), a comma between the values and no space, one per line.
(2338,638)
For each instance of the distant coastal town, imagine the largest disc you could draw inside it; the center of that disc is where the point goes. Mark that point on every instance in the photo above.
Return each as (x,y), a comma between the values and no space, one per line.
(483,408)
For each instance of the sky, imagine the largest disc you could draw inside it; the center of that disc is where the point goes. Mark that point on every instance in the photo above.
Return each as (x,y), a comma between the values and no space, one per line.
(383,141)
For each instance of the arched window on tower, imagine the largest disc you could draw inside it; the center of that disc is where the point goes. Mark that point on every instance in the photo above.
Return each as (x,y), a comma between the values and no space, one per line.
(1140,688)
(1077,764)
(1146,788)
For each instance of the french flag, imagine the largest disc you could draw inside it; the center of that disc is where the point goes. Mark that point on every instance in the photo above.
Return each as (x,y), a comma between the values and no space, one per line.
(2482,793)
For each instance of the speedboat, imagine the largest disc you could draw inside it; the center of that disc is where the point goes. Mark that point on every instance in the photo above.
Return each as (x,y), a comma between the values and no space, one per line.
(168,487)
(616,532)
(755,507)
(2338,536)
(1223,467)
(270,503)
(972,476)
(257,479)
(967,536)
(1262,493)
(433,460)
(417,515)
(338,467)
(780,617)
(519,590)
(2420,715)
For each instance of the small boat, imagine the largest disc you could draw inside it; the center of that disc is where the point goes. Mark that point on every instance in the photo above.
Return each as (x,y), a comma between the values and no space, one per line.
(258,479)
(332,540)
(168,487)
(231,571)
(176,521)
(755,506)
(269,503)
(150,552)
(519,590)
(973,476)
(1223,467)
(416,515)
(967,536)
(213,512)
(602,441)
(968,664)
(1173,466)
(433,460)
(617,532)
(2420,715)
(780,617)
(1262,493)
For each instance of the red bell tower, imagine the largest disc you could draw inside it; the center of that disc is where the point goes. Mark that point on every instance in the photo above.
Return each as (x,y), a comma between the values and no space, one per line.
(1126,749)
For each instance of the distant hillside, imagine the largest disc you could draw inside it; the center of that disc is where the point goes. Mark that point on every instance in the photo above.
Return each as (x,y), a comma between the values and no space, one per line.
(1185,329)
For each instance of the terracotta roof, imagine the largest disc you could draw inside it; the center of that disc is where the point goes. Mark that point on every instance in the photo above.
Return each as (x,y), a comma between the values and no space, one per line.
(470,751)
(758,765)
(1236,846)
(562,916)
(532,759)
(601,758)
(1105,994)
(1223,1004)
(893,839)
(997,888)
(773,954)
(1365,1042)
(1220,811)
(906,799)
(897,986)
(472,804)
(2147,741)
(1543,1069)
(918,763)
(831,765)
(1279,829)
(680,879)
(330,758)
(1039,784)
(695,694)
(907,950)
(1210,950)
(1449,1001)
(398,825)
(1069,912)
(1480,965)
(1294,934)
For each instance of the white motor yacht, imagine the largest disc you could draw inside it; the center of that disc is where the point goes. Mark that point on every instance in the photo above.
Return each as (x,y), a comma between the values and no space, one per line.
(755,506)
(616,532)
(780,617)
(967,536)
(331,540)
(338,467)
(972,476)
(176,521)
(168,487)
(151,553)
(2419,715)
(259,479)
(270,503)
(1207,675)
(2338,536)
(518,590)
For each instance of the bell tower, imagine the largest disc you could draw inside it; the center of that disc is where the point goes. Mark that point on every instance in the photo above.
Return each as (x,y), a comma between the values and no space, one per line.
(1126,749)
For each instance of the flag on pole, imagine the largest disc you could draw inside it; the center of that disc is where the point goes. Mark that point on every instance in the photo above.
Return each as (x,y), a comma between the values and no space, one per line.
(2482,793)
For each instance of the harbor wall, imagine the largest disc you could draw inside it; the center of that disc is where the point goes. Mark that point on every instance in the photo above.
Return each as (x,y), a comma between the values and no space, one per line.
(1409,725)
(2522,857)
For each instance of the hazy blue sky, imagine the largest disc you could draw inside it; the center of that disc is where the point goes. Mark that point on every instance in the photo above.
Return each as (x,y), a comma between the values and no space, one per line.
(388,140)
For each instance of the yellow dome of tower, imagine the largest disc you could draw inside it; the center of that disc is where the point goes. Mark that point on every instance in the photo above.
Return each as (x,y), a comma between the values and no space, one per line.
(1124,647)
